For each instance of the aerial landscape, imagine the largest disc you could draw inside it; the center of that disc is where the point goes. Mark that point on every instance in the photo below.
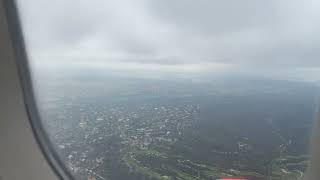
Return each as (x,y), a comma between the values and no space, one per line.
(176,90)
(107,128)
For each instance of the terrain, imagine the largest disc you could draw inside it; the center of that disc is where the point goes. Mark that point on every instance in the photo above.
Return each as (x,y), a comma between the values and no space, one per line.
(109,128)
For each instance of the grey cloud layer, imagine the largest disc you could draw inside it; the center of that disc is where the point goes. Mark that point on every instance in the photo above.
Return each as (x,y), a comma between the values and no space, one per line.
(247,33)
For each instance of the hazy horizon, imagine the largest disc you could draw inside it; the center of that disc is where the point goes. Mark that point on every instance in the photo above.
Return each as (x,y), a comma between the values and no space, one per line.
(264,39)
(175,89)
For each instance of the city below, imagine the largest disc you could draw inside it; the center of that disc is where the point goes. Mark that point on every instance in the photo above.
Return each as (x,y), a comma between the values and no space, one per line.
(244,129)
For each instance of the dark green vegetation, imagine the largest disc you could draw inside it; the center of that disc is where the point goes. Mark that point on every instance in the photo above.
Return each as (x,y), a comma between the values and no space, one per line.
(289,167)
(152,129)
(153,164)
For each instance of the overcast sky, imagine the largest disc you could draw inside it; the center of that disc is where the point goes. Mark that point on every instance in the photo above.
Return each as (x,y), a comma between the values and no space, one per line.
(279,37)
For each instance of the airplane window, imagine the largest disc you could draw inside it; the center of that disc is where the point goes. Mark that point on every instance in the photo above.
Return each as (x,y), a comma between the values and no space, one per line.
(176,89)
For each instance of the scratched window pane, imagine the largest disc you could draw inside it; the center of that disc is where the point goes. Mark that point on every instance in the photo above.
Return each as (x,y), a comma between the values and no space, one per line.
(176,89)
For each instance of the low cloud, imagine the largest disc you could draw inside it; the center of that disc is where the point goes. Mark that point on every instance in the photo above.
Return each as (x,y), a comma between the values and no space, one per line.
(265,36)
